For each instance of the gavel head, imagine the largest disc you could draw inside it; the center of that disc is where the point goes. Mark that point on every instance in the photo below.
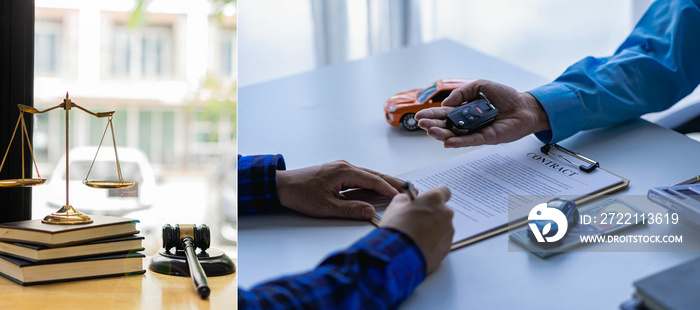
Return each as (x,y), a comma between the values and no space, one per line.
(173,236)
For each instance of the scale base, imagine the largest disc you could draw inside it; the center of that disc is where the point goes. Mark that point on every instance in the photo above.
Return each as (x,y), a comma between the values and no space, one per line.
(214,263)
(67,216)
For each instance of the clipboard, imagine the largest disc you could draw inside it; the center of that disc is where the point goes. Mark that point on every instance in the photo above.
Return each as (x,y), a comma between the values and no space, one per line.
(586,165)
(581,200)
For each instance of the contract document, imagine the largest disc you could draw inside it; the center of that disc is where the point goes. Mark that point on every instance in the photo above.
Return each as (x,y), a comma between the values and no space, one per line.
(482,180)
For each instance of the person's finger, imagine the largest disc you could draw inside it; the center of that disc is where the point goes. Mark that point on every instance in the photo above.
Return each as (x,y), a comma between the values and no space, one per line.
(441,134)
(427,123)
(488,135)
(398,200)
(393,181)
(464,141)
(462,94)
(436,196)
(433,113)
(359,178)
(351,209)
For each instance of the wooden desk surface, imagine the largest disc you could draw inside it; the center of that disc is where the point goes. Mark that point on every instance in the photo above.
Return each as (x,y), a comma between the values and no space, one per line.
(147,291)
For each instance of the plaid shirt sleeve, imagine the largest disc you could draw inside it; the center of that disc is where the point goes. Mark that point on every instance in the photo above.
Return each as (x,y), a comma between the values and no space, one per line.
(257,186)
(377,272)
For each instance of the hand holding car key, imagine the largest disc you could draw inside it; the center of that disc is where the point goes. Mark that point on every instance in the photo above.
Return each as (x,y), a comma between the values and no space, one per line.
(473,115)
(519,114)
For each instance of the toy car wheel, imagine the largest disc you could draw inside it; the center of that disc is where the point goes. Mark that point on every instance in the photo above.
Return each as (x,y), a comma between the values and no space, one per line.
(409,122)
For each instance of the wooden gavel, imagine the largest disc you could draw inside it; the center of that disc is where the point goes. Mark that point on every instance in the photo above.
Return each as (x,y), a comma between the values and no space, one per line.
(188,237)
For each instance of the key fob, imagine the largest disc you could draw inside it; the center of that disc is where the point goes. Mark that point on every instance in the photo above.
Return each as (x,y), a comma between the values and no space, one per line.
(473,115)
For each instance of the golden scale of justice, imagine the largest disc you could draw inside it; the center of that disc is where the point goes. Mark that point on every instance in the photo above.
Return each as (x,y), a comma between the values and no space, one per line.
(67,215)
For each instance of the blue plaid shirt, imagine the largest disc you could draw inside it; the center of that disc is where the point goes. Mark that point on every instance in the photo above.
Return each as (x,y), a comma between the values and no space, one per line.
(377,272)
(257,183)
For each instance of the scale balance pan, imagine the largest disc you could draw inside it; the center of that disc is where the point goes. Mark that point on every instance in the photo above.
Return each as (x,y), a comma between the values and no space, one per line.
(21,182)
(108,184)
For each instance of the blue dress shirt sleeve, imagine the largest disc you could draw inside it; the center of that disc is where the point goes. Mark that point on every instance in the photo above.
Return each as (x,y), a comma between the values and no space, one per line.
(257,186)
(377,272)
(655,67)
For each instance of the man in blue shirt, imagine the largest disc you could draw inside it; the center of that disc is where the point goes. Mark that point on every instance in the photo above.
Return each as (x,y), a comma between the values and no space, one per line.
(377,272)
(655,67)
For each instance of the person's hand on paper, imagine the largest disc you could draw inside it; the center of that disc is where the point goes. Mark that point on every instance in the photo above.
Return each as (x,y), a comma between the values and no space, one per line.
(315,190)
(520,114)
(427,220)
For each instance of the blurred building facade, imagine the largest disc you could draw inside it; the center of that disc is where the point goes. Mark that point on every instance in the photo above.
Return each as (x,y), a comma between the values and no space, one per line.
(168,67)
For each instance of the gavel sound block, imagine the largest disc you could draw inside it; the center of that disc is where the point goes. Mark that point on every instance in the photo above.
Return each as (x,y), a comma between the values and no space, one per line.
(178,256)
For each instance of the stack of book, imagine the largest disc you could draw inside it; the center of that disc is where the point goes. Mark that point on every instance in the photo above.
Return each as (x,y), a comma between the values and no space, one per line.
(32,252)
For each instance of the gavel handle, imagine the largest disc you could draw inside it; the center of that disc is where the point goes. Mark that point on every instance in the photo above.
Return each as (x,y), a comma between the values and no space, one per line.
(196,272)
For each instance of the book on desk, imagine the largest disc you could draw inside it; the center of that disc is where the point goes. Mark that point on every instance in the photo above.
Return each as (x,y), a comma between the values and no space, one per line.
(35,253)
(675,288)
(36,232)
(26,272)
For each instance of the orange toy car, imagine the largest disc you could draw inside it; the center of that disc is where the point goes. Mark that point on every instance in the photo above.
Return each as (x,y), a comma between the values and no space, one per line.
(401,108)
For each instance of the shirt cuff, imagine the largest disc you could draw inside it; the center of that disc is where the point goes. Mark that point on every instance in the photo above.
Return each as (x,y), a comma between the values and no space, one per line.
(564,109)
(257,183)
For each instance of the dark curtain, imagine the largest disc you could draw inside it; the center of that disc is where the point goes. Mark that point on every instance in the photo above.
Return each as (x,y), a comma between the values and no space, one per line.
(16,86)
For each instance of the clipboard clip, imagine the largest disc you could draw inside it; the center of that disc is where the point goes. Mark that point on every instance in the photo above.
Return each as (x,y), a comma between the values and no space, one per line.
(589,165)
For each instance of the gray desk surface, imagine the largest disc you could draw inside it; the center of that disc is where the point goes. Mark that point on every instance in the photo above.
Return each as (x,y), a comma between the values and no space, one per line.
(336,113)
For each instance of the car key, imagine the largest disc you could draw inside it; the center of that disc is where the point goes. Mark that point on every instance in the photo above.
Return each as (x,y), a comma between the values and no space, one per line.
(473,115)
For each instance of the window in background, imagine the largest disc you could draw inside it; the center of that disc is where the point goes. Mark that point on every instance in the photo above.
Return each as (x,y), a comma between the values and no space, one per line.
(227,52)
(47,42)
(274,49)
(121,53)
(543,36)
(144,52)
(167,67)
(155,58)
